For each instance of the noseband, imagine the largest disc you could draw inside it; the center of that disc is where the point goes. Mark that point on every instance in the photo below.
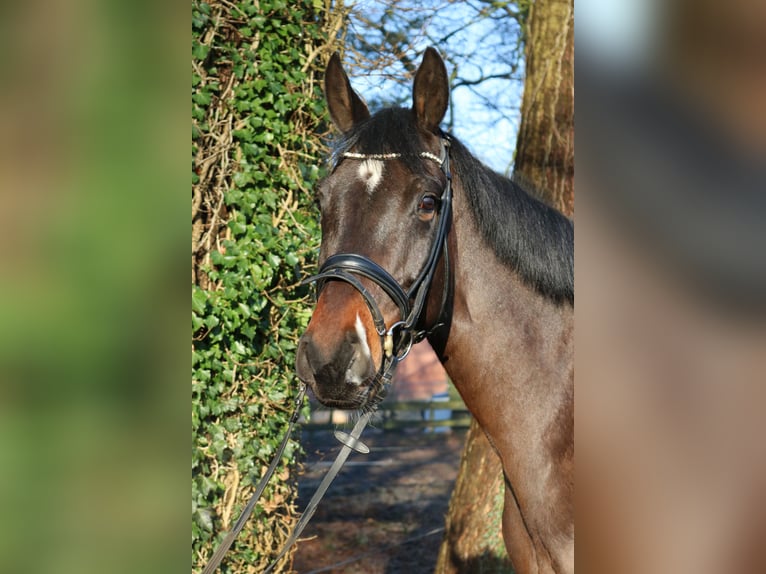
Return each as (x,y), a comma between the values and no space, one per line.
(397,339)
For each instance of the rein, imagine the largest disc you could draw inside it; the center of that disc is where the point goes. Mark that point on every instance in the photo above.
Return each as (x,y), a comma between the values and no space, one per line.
(396,342)
(349,441)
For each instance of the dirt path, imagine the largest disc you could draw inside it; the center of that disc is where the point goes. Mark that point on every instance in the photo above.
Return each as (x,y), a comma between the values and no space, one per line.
(384,514)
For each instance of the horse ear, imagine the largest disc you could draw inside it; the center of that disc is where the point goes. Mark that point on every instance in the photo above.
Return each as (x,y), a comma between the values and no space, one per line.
(430,92)
(346,107)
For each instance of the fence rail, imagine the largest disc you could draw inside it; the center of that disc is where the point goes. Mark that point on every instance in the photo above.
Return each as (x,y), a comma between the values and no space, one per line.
(400,415)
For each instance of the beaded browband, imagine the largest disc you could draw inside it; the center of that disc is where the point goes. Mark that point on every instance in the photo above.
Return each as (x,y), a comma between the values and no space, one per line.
(385,156)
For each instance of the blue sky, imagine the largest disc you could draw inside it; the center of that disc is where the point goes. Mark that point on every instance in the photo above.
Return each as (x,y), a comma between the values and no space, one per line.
(486,119)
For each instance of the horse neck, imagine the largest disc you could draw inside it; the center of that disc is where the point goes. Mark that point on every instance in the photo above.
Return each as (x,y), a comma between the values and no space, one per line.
(509,349)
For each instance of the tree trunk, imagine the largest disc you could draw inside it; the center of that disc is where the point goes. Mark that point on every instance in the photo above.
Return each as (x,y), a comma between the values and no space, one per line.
(473,540)
(545,146)
(544,162)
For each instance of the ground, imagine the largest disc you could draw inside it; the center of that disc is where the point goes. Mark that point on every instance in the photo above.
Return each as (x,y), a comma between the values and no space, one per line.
(384,514)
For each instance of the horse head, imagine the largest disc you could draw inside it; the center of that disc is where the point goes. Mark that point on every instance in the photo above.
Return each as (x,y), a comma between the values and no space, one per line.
(384,218)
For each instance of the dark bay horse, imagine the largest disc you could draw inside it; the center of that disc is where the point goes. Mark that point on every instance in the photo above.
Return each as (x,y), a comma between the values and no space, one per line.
(419,239)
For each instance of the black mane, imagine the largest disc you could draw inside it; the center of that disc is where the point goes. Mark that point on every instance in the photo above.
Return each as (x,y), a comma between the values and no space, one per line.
(530,236)
(534,239)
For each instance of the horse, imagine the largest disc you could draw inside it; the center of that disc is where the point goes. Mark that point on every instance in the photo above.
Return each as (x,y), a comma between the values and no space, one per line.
(422,240)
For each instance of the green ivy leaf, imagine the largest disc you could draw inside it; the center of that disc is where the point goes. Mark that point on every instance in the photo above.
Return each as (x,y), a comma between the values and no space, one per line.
(200,51)
(239,348)
(245,324)
(199,300)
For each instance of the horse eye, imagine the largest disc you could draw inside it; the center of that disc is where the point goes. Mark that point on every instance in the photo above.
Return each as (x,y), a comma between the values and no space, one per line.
(427,204)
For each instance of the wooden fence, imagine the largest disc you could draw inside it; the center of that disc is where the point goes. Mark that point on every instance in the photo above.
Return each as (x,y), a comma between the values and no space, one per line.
(400,415)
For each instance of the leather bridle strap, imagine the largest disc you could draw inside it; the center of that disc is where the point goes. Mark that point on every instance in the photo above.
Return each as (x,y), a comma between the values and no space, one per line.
(350,442)
(346,266)
(215,559)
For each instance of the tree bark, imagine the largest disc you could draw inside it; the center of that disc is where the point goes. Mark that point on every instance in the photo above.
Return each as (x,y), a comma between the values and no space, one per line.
(545,165)
(473,540)
(545,145)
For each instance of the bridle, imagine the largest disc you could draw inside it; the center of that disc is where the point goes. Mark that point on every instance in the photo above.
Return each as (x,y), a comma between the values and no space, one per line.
(396,342)
(397,339)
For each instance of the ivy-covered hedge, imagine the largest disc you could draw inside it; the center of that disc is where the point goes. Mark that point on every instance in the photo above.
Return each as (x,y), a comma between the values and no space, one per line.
(256,153)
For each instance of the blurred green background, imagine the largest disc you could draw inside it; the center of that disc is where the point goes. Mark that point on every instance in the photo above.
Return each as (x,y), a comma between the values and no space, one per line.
(93,295)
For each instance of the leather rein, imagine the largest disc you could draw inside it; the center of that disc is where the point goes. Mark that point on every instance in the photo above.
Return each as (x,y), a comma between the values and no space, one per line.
(396,342)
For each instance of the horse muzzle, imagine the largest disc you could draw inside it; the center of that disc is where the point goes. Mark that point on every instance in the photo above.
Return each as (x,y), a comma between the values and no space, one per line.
(341,376)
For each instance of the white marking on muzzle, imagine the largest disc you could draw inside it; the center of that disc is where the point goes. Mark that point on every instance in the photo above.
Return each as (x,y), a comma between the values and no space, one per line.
(362,334)
(371,172)
(353,376)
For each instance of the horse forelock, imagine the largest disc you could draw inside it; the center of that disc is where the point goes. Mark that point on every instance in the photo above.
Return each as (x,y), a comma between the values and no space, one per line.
(389,131)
